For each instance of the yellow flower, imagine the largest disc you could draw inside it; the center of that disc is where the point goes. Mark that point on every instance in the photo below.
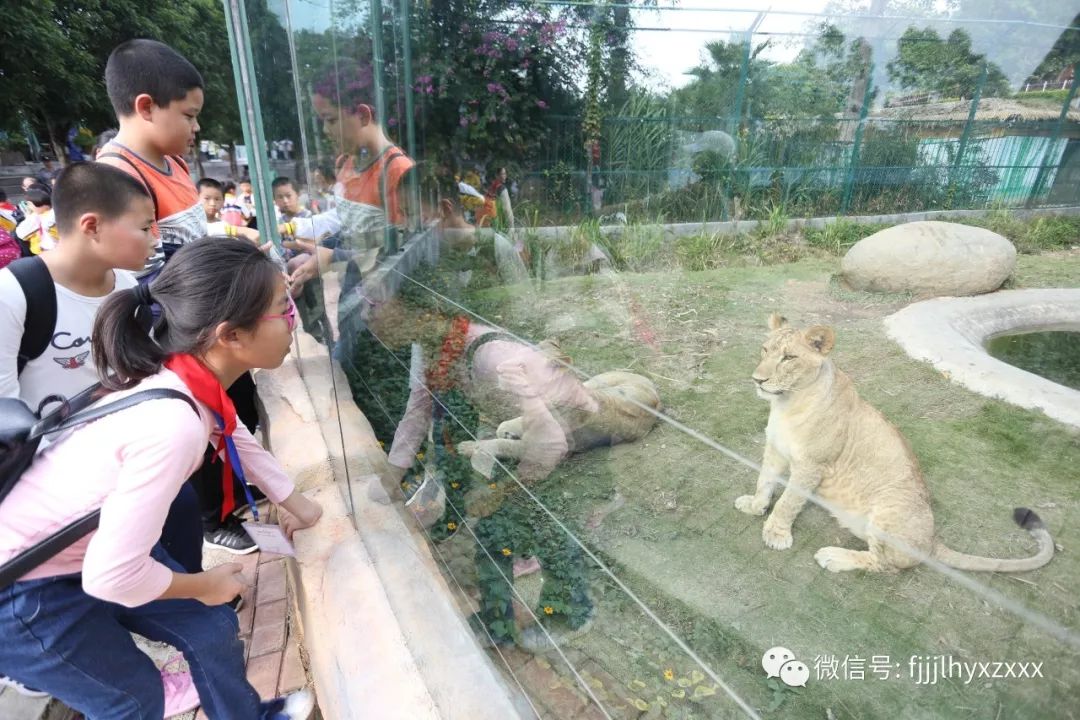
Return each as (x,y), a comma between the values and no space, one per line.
(451,526)
(494,486)
(507,552)
(548,610)
(455,485)
(419,456)
(669,674)
(382,444)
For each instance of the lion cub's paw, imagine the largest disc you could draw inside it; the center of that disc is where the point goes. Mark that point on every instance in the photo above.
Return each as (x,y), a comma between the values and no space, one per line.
(749,505)
(467,448)
(835,559)
(510,430)
(776,536)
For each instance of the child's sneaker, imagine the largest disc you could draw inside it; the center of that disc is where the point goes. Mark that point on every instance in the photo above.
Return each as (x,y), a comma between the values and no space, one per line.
(18,687)
(180,693)
(294,706)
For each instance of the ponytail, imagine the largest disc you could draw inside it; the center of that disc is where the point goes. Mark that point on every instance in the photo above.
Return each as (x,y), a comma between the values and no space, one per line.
(206,283)
(124,352)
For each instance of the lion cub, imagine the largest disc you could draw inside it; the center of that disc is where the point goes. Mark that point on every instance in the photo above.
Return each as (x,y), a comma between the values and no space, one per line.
(839,448)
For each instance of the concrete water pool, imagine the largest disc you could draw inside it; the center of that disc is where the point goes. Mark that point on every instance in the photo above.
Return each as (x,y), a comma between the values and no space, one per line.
(960,337)
(1053,354)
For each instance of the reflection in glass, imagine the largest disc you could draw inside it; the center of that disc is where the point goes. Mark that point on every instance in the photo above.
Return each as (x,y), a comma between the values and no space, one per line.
(508,234)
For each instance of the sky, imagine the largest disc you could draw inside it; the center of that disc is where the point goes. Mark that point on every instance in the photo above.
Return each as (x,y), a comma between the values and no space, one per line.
(670,41)
(670,53)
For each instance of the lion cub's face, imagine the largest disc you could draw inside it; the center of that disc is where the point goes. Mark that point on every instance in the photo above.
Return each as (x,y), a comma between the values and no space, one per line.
(790,359)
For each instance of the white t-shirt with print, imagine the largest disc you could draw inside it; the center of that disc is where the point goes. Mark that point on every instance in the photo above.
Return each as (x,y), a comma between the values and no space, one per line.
(66,367)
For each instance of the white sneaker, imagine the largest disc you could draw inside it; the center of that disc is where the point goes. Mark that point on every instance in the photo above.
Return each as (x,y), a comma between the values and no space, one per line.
(18,687)
(299,705)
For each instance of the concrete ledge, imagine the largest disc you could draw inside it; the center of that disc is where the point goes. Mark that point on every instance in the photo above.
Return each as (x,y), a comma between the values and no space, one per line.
(564,232)
(951,334)
(382,633)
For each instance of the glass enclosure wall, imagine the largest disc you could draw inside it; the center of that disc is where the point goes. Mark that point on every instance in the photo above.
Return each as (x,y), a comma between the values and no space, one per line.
(585,404)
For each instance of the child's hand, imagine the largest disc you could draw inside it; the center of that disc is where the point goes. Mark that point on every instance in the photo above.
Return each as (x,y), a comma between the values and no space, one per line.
(222,584)
(308,271)
(248,234)
(298,512)
(515,378)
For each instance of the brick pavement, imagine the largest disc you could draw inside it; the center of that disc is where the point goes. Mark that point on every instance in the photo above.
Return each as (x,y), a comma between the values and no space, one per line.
(274,664)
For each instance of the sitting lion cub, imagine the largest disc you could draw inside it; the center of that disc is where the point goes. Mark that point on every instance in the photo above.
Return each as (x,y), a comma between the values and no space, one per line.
(838,447)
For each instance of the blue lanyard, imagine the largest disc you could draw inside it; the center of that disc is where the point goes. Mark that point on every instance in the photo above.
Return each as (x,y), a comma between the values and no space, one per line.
(238,469)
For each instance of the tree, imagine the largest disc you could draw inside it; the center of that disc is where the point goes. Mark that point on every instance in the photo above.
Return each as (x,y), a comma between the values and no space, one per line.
(490,74)
(1064,55)
(55,52)
(815,84)
(949,67)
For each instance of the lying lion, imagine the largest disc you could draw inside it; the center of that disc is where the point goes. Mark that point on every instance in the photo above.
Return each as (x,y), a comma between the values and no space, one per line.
(839,448)
(618,412)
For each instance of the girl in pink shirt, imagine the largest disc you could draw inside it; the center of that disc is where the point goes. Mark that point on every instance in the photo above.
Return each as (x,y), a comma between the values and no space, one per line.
(66,625)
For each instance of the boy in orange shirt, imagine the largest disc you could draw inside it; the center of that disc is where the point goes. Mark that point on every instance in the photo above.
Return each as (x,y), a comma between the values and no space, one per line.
(157,95)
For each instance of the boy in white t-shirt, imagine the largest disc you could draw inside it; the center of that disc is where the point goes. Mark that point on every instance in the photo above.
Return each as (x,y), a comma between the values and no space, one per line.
(104,218)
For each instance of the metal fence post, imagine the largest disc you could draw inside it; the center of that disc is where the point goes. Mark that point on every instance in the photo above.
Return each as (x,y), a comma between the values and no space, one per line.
(853,162)
(410,111)
(964,136)
(247,91)
(1040,179)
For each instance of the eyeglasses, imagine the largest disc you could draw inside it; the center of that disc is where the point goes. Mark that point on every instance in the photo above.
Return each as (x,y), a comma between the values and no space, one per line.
(289,315)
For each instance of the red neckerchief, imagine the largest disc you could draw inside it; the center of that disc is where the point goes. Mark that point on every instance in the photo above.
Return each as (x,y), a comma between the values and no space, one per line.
(204,385)
(453,347)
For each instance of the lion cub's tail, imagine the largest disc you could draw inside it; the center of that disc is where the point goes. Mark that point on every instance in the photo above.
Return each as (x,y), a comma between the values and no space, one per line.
(1026,519)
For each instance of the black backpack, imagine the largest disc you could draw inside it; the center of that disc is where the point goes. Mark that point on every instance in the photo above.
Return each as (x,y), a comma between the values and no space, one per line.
(37,285)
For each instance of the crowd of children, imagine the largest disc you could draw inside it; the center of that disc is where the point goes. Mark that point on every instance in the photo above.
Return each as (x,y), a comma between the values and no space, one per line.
(122,292)
(130,277)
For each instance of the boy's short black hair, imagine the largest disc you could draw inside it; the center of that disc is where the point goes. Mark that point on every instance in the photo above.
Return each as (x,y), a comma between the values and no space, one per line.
(38,196)
(228,187)
(210,183)
(282,182)
(84,187)
(148,67)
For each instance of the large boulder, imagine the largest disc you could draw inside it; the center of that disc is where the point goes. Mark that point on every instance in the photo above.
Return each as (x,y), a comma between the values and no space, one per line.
(930,258)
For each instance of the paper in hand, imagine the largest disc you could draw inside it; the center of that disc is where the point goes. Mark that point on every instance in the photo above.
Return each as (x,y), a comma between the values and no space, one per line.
(270,538)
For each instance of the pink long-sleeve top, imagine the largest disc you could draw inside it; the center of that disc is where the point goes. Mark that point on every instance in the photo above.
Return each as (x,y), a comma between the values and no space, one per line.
(554,386)
(131,464)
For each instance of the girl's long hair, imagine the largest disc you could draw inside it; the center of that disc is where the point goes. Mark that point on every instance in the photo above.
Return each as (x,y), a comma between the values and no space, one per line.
(208,282)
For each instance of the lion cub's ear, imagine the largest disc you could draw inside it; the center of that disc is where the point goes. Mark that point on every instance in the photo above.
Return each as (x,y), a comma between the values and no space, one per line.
(777,321)
(821,338)
(554,351)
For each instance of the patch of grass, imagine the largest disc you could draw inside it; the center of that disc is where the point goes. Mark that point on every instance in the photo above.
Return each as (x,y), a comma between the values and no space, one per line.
(1041,234)
(1039,96)
(838,237)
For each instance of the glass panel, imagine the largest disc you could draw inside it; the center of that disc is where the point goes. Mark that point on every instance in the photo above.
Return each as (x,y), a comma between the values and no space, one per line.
(552,235)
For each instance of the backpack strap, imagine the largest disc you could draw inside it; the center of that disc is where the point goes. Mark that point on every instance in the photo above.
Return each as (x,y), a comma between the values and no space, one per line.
(44,428)
(37,285)
(142,178)
(387,160)
(67,536)
(181,162)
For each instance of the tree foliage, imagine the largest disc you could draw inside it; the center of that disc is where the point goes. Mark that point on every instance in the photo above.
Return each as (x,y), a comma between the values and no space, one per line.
(1063,55)
(54,55)
(950,67)
(815,84)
